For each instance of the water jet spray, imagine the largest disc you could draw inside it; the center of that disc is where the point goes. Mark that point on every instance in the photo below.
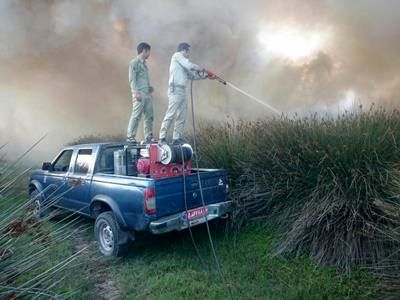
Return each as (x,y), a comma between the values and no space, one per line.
(212,75)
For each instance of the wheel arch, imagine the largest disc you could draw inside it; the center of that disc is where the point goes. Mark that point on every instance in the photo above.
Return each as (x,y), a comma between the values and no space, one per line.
(35,185)
(101,203)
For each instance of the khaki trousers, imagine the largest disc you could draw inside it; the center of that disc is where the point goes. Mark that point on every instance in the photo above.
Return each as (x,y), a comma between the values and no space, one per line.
(177,108)
(144,107)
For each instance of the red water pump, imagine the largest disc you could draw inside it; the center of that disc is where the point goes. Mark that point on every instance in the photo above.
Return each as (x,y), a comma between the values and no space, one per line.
(165,161)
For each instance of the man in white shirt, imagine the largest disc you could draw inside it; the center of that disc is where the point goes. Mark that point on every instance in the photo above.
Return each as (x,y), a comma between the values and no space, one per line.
(181,70)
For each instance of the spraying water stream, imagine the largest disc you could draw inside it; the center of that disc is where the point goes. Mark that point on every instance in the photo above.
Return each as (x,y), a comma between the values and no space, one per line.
(253,98)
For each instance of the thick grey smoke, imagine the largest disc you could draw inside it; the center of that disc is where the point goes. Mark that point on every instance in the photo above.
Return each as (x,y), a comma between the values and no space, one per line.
(63,64)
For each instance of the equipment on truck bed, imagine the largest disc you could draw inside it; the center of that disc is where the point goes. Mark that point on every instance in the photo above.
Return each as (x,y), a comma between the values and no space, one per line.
(153,160)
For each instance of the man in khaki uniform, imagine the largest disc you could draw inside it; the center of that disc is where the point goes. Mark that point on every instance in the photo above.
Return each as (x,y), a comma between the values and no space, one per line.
(181,70)
(142,102)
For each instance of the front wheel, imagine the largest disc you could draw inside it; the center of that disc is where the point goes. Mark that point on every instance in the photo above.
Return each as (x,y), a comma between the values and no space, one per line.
(111,239)
(39,210)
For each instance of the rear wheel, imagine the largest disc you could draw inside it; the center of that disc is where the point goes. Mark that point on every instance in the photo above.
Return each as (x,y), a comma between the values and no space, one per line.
(111,239)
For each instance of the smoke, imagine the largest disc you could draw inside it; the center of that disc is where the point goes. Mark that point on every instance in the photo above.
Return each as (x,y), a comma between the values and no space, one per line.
(64,63)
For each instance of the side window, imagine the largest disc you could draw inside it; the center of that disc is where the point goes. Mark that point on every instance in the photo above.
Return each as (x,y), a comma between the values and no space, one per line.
(63,161)
(106,161)
(83,161)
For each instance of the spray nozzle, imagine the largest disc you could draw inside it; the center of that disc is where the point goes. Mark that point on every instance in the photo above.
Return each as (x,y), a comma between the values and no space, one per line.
(212,75)
(221,80)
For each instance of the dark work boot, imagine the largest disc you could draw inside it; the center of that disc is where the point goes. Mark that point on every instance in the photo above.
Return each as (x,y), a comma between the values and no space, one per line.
(162,141)
(131,140)
(149,140)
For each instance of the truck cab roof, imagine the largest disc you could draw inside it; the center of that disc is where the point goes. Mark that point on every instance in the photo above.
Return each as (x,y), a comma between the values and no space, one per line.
(91,145)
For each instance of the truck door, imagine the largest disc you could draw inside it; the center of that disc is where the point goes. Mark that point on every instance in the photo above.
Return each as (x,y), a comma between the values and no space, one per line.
(54,182)
(79,180)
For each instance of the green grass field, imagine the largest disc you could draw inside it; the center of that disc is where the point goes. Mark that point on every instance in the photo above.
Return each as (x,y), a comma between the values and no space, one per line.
(166,267)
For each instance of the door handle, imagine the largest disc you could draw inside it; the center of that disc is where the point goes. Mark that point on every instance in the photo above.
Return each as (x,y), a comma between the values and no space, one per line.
(76,182)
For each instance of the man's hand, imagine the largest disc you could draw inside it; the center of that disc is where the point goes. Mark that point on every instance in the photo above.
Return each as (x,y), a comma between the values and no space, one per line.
(138,96)
(211,75)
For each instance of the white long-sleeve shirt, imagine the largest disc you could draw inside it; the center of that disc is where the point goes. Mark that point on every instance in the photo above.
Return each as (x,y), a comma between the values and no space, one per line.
(181,70)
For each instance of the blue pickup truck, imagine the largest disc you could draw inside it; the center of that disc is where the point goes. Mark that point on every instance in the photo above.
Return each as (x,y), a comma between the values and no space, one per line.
(86,179)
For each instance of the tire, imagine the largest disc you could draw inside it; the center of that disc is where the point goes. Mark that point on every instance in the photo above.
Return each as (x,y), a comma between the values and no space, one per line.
(111,239)
(39,211)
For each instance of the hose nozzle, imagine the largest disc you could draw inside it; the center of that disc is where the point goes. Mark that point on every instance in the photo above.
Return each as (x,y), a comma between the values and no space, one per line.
(212,75)
(221,80)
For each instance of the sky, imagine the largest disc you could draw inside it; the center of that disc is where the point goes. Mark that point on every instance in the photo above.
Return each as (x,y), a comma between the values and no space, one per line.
(64,64)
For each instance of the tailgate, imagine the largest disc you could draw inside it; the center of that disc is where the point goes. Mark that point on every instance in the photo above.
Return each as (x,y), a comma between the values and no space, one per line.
(169,191)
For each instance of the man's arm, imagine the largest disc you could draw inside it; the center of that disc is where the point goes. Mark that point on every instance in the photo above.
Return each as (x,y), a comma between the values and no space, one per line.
(133,80)
(186,64)
(197,75)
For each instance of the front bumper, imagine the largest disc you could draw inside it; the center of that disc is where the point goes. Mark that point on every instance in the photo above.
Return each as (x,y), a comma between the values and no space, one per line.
(179,222)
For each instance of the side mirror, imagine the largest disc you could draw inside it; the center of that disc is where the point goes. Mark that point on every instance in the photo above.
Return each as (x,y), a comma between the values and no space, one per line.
(47,166)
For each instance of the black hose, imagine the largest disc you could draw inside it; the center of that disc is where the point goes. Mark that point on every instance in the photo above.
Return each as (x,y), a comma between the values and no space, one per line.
(205,266)
(216,258)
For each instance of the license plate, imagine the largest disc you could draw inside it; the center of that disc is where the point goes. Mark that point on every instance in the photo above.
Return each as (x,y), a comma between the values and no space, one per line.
(197,213)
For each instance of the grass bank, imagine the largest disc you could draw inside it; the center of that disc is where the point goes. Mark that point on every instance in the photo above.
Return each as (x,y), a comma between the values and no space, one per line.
(330,184)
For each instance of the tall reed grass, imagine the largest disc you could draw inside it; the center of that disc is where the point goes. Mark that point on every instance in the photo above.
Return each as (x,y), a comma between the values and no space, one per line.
(332,184)
(36,256)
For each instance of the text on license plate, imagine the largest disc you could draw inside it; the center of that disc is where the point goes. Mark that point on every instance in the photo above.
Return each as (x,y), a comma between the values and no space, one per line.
(197,212)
